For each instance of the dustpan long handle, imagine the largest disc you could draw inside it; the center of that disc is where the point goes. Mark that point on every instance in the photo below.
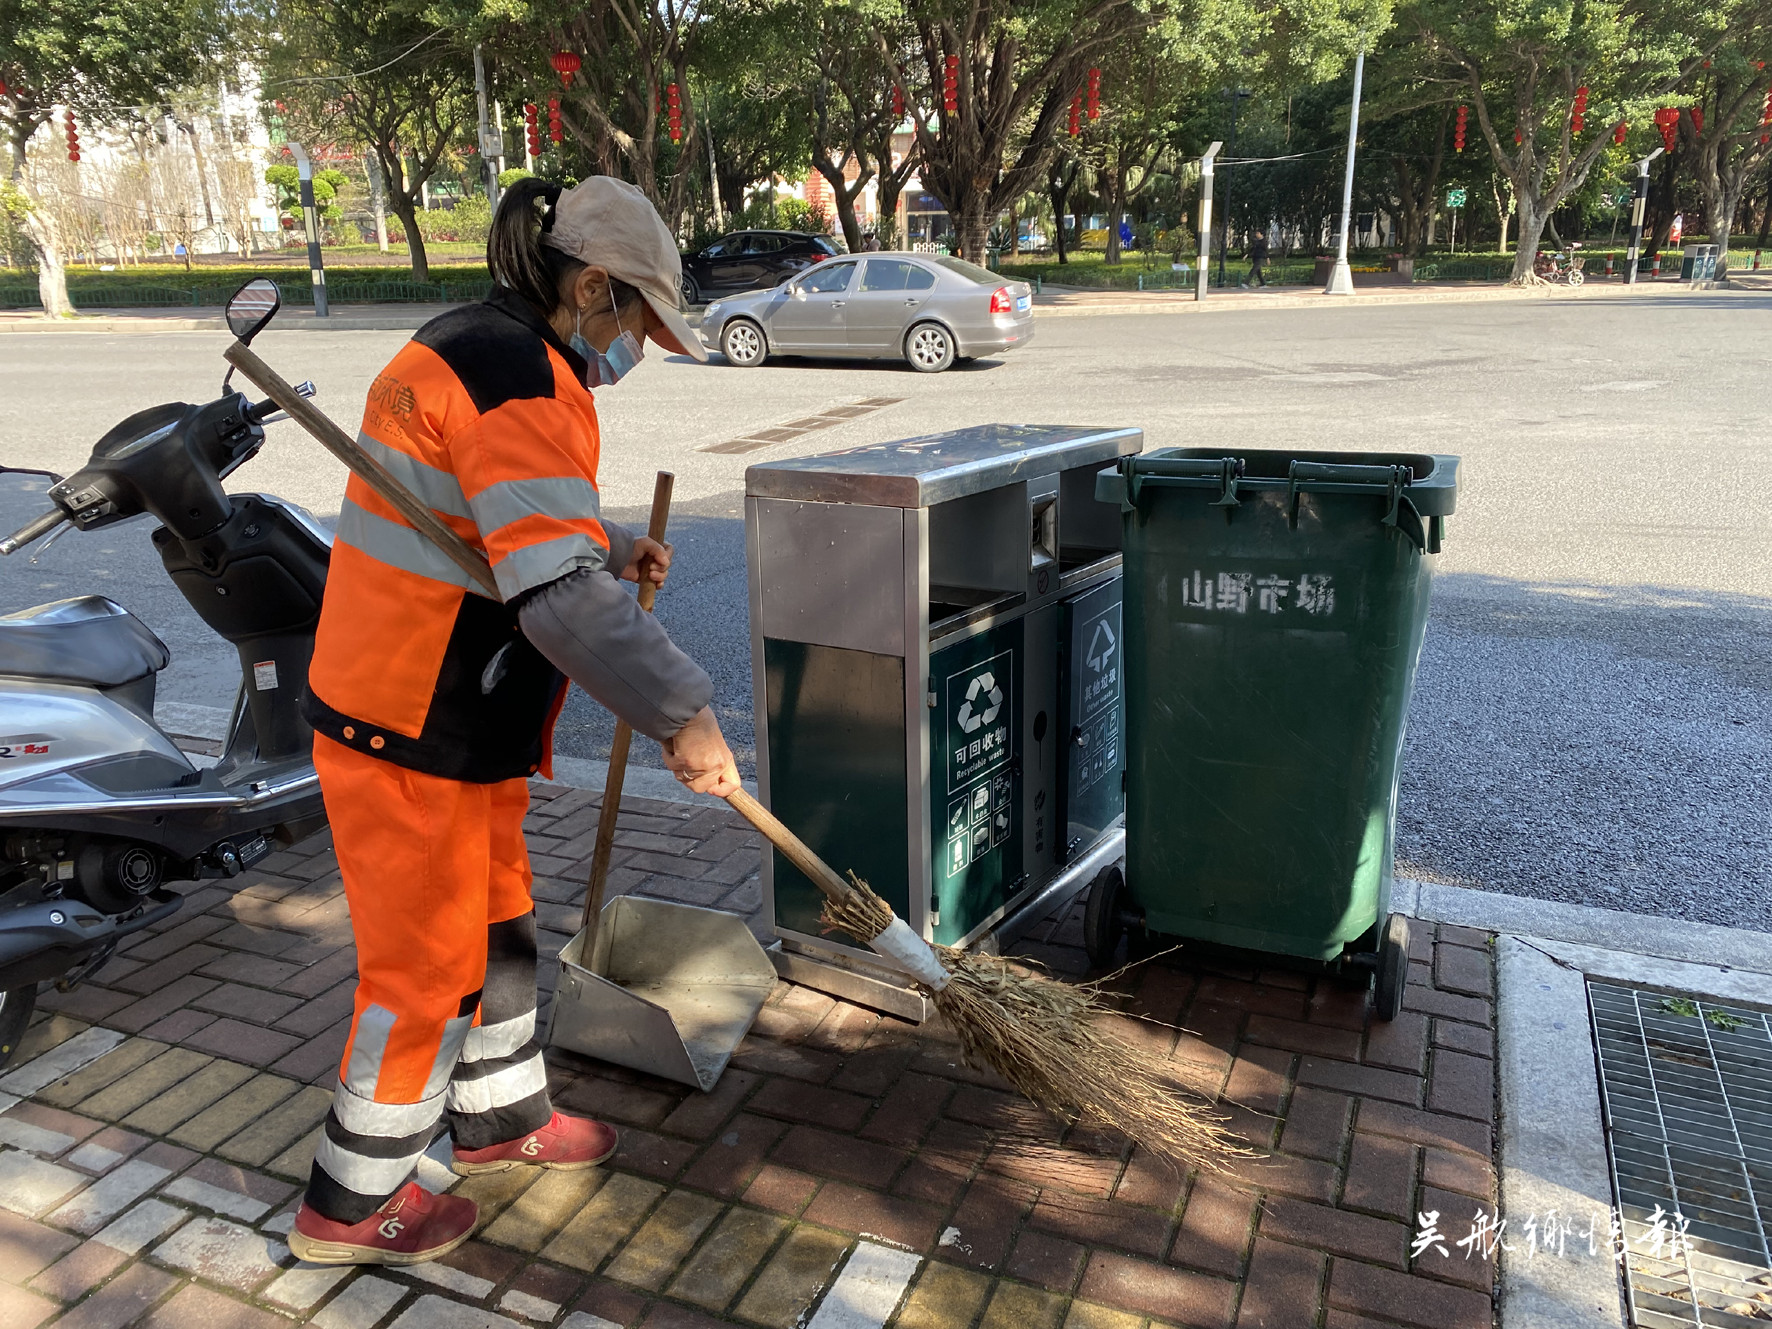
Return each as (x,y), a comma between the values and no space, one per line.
(791,845)
(618,749)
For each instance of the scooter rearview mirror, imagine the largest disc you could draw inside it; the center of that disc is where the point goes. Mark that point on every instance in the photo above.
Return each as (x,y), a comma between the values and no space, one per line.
(252,306)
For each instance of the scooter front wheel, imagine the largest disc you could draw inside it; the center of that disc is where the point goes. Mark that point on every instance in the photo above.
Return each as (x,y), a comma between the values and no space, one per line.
(16,1005)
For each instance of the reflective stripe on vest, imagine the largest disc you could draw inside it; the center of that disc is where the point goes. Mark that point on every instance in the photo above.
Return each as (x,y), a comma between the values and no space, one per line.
(399,546)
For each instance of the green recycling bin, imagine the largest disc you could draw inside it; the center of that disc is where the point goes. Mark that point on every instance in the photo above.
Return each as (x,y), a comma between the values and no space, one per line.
(1275,605)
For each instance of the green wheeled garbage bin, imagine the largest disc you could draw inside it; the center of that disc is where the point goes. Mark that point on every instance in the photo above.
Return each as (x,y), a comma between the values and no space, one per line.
(1275,604)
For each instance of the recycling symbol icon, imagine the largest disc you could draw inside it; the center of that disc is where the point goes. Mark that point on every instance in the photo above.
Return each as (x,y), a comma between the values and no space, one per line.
(985,685)
(1101,646)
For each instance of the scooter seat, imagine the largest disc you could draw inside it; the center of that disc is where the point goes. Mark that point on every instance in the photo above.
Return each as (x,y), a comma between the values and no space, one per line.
(87,639)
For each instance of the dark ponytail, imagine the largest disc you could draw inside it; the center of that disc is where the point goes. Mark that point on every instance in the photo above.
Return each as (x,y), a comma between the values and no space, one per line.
(517,258)
(514,252)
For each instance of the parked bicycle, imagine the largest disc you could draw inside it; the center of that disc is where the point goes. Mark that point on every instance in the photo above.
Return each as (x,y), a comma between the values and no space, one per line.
(1561,267)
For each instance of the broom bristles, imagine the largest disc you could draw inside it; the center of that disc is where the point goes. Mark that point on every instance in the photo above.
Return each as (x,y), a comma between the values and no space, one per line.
(1047,1039)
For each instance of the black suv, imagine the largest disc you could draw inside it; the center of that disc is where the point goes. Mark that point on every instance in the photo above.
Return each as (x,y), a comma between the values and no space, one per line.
(749,260)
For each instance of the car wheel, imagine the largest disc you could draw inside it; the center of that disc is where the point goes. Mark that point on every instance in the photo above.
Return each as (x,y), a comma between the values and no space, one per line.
(686,284)
(742,343)
(929,347)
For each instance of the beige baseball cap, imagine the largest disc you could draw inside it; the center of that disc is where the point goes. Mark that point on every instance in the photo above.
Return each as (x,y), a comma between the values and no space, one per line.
(609,223)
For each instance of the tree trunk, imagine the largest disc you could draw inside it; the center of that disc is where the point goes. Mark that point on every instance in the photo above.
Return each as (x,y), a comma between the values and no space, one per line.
(1532,224)
(202,172)
(973,227)
(1058,189)
(1015,229)
(378,200)
(1116,204)
(1765,220)
(405,208)
(52,276)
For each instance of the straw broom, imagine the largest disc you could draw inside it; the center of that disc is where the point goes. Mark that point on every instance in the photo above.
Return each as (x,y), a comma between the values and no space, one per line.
(1046,1038)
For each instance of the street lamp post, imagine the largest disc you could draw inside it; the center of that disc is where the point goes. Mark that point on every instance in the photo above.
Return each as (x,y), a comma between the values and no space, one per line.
(492,147)
(1341,280)
(1236,95)
(1205,245)
(1638,204)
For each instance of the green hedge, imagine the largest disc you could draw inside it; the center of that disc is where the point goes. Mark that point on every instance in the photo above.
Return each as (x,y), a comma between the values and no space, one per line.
(211,287)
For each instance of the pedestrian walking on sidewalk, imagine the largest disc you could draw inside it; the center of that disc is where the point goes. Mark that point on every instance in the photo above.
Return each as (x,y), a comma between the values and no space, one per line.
(433,703)
(1257,258)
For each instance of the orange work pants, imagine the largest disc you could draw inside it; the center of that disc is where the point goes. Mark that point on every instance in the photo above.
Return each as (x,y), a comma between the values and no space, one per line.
(437,876)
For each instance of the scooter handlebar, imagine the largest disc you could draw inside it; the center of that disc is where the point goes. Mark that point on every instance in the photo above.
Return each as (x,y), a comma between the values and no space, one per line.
(33,530)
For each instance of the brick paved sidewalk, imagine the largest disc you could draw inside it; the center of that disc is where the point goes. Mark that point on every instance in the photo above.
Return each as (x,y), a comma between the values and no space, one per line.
(846,1173)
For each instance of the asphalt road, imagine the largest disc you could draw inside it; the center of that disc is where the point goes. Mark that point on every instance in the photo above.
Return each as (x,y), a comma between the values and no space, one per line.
(1593,719)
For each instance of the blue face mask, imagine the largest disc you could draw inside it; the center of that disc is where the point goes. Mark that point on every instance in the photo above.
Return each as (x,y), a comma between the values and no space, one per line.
(605,368)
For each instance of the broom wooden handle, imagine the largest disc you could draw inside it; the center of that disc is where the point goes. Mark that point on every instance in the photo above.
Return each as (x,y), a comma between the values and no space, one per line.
(618,749)
(791,845)
(341,445)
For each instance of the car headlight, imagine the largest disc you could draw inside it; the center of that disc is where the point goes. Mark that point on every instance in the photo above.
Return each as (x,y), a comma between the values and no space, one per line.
(711,313)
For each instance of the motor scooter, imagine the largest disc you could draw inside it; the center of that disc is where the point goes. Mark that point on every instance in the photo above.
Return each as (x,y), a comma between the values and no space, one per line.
(99,808)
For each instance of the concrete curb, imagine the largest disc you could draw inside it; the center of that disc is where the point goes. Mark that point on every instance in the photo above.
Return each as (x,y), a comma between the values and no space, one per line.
(1607,930)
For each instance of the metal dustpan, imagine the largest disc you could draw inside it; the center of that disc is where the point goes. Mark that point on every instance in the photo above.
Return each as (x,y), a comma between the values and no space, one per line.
(670,989)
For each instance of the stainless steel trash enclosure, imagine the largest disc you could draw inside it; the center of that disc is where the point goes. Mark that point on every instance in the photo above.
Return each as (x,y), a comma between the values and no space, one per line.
(935,633)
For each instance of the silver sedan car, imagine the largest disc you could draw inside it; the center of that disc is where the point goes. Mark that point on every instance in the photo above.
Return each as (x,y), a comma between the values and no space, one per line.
(930,309)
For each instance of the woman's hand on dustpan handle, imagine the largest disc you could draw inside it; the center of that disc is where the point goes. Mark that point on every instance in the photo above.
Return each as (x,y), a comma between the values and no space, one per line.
(698,756)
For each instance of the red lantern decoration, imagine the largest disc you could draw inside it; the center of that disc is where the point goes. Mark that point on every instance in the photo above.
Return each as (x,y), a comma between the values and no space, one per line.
(674,102)
(1665,120)
(73,139)
(897,104)
(950,84)
(1464,113)
(565,64)
(532,128)
(1516,138)
(1578,119)
(3,87)
(1095,94)
(1076,114)
(554,131)
(1697,114)
(1618,133)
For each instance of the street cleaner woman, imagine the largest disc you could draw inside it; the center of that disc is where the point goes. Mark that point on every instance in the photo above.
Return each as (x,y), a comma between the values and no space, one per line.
(433,704)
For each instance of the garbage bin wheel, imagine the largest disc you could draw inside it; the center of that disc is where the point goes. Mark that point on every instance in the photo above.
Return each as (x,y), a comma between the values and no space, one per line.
(1393,967)
(16,1005)
(1103,925)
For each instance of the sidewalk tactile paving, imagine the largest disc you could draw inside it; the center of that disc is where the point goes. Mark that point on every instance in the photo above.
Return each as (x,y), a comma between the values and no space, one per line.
(849,1171)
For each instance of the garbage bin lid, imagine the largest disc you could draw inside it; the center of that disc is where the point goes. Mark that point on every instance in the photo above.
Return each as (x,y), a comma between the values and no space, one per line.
(1430,480)
(933,468)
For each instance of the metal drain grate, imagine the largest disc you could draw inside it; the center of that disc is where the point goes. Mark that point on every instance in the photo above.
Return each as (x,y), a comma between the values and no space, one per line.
(1687,1086)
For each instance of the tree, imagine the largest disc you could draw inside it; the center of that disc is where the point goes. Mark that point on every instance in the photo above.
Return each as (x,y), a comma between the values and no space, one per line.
(1522,64)
(1725,135)
(614,106)
(1017,67)
(384,75)
(91,56)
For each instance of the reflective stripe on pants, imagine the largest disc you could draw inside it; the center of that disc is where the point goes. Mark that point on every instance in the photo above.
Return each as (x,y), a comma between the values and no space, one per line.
(437,877)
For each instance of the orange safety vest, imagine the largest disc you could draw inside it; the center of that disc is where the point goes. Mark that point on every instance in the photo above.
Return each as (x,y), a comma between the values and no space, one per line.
(485,417)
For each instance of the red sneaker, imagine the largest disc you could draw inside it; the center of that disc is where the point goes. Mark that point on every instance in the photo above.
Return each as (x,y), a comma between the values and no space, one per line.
(412,1227)
(565,1144)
